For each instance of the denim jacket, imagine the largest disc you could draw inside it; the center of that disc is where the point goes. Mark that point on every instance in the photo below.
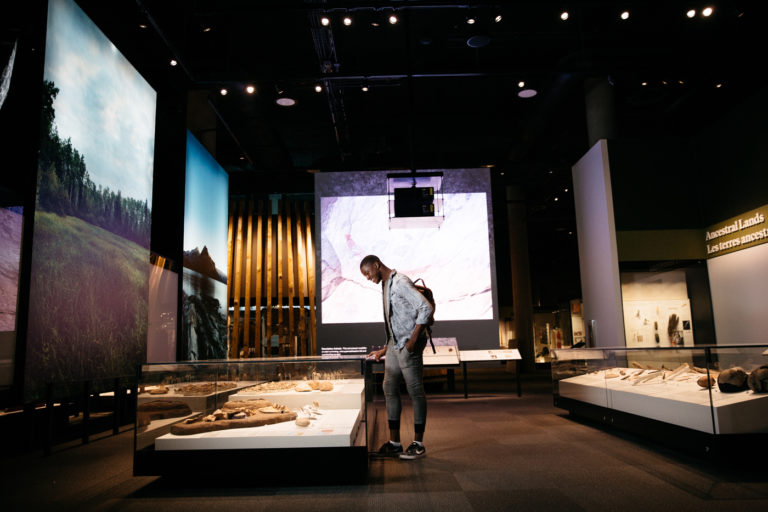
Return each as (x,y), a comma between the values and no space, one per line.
(404,307)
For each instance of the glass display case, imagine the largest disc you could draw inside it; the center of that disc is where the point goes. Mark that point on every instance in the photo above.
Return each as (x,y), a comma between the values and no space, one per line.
(711,390)
(285,413)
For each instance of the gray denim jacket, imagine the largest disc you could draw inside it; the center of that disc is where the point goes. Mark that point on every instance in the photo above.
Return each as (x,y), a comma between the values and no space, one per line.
(404,307)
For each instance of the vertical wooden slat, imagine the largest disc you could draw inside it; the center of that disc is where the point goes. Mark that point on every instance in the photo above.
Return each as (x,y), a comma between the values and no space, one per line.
(248,272)
(311,282)
(301,259)
(259,278)
(290,271)
(230,253)
(280,257)
(268,283)
(235,344)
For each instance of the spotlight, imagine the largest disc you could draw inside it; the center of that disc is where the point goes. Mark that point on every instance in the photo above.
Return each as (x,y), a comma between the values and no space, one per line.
(527,93)
(624,15)
(564,15)
(393,20)
(142,25)
(521,84)
(364,88)
(707,12)
(643,83)
(250,89)
(318,88)
(206,29)
(557,198)
(325,21)
(717,86)
(565,190)
(173,62)
(375,24)
(347,20)
(691,13)
(223,91)
(471,20)
(497,19)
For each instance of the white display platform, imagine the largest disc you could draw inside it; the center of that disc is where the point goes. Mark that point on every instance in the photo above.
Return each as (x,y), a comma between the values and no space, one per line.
(508,354)
(334,428)
(444,356)
(346,394)
(679,403)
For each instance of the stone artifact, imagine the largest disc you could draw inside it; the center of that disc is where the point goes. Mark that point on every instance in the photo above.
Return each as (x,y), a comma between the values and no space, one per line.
(732,380)
(302,422)
(322,385)
(280,385)
(706,382)
(158,390)
(758,379)
(148,412)
(303,387)
(206,388)
(236,414)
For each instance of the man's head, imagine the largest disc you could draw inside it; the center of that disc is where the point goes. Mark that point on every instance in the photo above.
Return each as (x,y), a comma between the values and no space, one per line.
(371,267)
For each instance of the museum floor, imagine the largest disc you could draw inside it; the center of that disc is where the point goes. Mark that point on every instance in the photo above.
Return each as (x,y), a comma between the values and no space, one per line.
(492,451)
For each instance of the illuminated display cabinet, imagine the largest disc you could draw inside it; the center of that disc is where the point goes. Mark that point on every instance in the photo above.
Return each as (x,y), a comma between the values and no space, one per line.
(276,419)
(709,399)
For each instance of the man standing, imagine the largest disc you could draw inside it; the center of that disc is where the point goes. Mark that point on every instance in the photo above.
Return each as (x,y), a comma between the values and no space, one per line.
(406,314)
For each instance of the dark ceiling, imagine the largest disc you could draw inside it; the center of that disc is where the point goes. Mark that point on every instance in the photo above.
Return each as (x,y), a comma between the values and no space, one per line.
(433,99)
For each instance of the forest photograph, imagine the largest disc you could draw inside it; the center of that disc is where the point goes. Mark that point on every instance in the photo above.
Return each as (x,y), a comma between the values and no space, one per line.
(90,255)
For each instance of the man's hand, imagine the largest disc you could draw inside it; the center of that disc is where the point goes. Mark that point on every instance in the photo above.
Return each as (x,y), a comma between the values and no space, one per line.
(378,354)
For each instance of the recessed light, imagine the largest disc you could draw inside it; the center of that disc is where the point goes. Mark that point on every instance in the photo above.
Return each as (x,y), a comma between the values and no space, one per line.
(223,92)
(557,198)
(691,13)
(347,21)
(318,88)
(497,19)
(521,84)
(527,93)
(392,19)
(173,62)
(285,101)
(564,15)
(624,15)
(325,21)
(250,89)
(471,21)
(707,12)
(364,88)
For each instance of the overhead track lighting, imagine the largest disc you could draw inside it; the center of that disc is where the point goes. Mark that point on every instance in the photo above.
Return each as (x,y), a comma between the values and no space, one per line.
(318,88)
(691,13)
(393,19)
(325,21)
(564,15)
(250,89)
(223,91)
(624,15)
(707,12)
(347,21)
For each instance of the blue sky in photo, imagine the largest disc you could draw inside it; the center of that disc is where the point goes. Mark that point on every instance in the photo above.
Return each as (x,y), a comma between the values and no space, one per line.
(206,203)
(104,105)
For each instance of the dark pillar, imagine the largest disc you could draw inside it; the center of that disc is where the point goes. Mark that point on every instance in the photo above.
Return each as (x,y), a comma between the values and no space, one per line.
(600,109)
(521,275)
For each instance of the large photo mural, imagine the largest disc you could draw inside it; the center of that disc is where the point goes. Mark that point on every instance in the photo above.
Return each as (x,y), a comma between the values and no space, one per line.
(90,257)
(204,286)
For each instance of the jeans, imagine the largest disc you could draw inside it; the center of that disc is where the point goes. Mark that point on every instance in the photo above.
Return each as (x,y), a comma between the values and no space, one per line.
(401,364)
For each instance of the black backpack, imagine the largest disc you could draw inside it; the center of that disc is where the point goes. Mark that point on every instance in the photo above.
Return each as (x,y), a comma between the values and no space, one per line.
(427,293)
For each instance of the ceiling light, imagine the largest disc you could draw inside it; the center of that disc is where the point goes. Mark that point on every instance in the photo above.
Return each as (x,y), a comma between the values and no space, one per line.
(206,29)
(527,93)
(374,23)
(471,20)
(680,82)
(347,20)
(173,62)
(364,88)
(717,86)
(318,88)
(497,19)
(223,91)
(565,190)
(691,13)
(250,89)
(557,198)
(707,12)
(392,19)
(564,15)
(142,25)
(325,21)
(521,84)
(624,15)
(285,101)
(644,84)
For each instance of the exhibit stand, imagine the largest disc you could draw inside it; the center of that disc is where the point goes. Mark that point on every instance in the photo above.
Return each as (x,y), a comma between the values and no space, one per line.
(276,420)
(709,400)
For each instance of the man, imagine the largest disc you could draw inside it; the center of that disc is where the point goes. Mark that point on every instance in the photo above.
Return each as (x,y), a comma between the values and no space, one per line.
(406,313)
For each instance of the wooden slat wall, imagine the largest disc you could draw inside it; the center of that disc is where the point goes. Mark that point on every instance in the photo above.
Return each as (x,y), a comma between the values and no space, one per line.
(282,246)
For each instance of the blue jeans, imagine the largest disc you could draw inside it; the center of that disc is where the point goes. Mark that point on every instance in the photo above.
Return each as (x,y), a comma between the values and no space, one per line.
(409,366)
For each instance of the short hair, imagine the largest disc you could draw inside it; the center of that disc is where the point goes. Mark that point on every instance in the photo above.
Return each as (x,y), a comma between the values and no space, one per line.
(369,260)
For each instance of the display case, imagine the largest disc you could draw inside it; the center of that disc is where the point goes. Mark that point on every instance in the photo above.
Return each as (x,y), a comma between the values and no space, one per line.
(702,395)
(268,418)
